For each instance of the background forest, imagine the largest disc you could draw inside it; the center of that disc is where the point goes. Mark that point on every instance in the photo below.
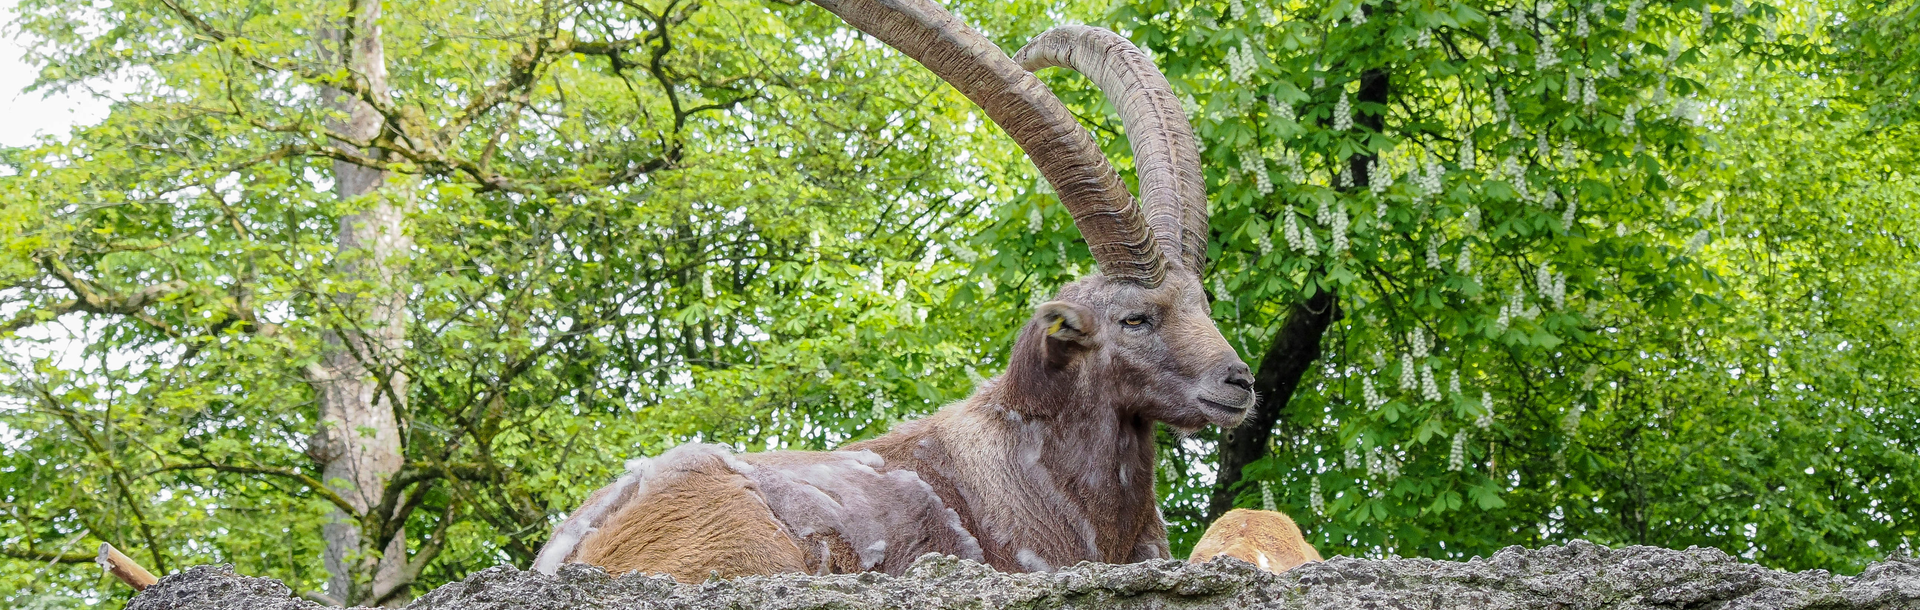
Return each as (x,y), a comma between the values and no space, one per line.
(363,297)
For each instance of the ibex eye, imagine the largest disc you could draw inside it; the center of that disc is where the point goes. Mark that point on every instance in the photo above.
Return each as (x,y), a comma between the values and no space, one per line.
(1134,320)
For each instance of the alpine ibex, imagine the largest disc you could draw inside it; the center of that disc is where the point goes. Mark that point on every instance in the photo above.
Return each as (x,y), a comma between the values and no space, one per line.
(1046,465)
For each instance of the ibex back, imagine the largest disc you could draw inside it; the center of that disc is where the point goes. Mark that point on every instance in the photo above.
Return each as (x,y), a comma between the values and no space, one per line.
(1048,464)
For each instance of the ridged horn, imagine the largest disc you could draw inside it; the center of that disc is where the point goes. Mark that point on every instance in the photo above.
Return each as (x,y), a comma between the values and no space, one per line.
(1114,227)
(1165,156)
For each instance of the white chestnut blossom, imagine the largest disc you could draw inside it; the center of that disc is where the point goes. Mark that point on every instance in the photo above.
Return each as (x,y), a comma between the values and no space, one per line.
(1308,243)
(1632,22)
(1430,184)
(1463,264)
(1466,151)
(1252,164)
(1428,389)
(1280,110)
(1570,424)
(1266,495)
(1314,501)
(1493,34)
(1339,229)
(1369,394)
(1485,420)
(1409,378)
(1352,458)
(1264,243)
(1342,113)
(1566,218)
(1499,104)
(1453,383)
(1433,252)
(1457,455)
(1389,466)
(1241,62)
(1291,230)
(1546,57)
(1382,178)
(1472,220)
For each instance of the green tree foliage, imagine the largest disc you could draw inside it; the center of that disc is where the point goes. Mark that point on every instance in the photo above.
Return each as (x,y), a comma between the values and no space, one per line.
(1523,231)
(1635,272)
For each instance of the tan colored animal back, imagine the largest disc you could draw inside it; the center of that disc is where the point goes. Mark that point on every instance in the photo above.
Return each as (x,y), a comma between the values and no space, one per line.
(1261,537)
(693,521)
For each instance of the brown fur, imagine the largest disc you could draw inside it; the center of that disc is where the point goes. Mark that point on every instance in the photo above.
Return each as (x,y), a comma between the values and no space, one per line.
(691,523)
(1263,538)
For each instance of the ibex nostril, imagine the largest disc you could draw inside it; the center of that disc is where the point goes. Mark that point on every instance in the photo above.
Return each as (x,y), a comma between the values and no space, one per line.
(1240,380)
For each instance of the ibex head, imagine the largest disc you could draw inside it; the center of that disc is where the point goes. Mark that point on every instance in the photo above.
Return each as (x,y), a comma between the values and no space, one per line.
(1138,336)
(1147,351)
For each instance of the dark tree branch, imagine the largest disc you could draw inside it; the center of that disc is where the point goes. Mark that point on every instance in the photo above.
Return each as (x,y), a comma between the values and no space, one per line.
(1294,348)
(304,479)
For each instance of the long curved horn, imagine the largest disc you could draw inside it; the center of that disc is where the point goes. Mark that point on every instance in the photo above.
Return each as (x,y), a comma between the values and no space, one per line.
(1165,156)
(1112,224)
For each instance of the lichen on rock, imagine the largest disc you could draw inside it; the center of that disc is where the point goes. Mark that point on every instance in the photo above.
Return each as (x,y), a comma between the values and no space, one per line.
(1578,575)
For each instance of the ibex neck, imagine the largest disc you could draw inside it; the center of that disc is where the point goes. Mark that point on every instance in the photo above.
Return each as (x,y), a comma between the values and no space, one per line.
(1083,474)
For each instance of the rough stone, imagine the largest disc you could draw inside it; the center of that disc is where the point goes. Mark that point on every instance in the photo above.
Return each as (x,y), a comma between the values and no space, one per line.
(1573,577)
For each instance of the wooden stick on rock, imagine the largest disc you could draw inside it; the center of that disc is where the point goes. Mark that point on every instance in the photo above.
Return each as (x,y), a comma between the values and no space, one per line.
(123,567)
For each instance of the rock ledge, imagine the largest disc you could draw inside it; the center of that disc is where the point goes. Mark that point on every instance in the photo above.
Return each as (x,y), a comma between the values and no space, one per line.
(1579,575)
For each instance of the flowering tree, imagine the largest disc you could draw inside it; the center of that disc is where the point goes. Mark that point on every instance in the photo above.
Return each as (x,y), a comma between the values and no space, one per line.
(1468,201)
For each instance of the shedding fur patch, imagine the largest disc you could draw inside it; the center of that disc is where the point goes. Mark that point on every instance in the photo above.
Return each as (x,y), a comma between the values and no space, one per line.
(583,522)
(1032,561)
(882,518)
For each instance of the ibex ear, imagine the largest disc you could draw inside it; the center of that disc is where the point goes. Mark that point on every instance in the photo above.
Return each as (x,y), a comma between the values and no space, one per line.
(1069,328)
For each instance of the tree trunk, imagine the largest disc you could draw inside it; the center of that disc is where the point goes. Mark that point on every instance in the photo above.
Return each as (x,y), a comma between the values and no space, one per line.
(361,386)
(1294,348)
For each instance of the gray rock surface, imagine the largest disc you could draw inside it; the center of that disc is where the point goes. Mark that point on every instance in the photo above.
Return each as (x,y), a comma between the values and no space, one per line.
(1576,576)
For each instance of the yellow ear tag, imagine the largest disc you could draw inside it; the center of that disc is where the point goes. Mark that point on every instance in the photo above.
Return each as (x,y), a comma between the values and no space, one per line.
(1057,323)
